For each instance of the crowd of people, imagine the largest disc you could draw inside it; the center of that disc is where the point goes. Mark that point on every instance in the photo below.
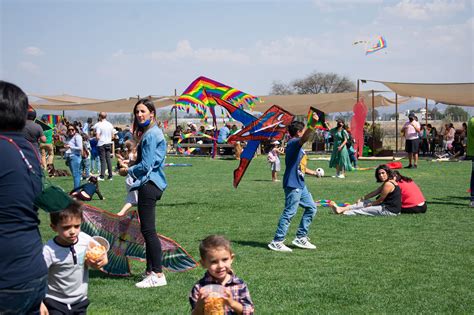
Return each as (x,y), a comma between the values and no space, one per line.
(59,282)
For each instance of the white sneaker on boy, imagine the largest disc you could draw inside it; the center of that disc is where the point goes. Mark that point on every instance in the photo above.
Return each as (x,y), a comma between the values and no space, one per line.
(303,242)
(279,246)
(151,281)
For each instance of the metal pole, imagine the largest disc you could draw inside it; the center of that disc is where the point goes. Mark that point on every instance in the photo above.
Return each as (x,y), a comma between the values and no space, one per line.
(175,111)
(426,111)
(396,123)
(373,124)
(357,90)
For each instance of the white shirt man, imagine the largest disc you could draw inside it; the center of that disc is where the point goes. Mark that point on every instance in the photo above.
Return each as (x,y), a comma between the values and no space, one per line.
(104,133)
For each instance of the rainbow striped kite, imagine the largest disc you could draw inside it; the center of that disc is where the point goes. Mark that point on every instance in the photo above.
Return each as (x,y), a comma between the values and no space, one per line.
(52,119)
(200,93)
(381,44)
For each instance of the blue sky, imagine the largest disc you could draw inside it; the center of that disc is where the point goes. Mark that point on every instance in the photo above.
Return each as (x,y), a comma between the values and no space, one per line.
(115,49)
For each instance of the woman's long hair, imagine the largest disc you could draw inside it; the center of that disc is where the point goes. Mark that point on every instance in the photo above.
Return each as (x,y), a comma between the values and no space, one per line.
(137,130)
(388,170)
(400,177)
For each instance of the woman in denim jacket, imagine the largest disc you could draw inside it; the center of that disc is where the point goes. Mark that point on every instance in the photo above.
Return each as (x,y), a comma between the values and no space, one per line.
(150,181)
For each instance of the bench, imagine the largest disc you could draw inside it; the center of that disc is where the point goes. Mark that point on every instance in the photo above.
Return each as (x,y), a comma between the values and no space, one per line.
(206,148)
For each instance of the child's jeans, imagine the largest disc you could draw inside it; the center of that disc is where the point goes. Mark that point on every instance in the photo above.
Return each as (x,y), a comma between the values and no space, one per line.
(95,164)
(295,197)
(85,167)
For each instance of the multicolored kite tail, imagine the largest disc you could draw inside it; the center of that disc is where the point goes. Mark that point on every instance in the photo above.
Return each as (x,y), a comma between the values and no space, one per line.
(200,93)
(326,203)
(381,44)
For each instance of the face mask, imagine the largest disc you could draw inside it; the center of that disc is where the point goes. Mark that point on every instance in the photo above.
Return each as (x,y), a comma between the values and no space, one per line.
(145,124)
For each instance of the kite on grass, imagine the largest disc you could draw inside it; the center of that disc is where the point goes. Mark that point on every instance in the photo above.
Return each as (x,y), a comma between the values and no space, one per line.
(126,242)
(270,126)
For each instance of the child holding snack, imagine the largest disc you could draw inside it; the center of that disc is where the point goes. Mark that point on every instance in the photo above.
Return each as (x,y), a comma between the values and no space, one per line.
(217,257)
(274,159)
(132,195)
(65,257)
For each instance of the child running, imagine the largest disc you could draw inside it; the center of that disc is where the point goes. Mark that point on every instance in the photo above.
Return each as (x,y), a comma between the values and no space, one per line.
(132,195)
(217,257)
(65,257)
(296,192)
(274,159)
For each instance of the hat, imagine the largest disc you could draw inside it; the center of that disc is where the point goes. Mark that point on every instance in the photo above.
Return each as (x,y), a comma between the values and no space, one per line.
(209,128)
(276,142)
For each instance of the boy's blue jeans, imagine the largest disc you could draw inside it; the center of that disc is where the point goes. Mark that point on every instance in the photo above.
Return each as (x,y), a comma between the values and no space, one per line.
(23,298)
(295,197)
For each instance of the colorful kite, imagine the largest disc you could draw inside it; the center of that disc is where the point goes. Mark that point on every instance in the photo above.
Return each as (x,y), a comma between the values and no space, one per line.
(380,44)
(270,126)
(52,119)
(201,95)
(321,123)
(126,242)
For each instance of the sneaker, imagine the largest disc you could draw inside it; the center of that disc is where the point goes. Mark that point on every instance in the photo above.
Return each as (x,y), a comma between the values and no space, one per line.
(100,179)
(303,242)
(279,246)
(151,281)
(341,176)
(471,204)
(409,166)
(110,178)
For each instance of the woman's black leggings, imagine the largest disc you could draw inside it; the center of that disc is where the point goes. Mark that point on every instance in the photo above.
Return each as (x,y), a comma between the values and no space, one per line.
(148,195)
(415,209)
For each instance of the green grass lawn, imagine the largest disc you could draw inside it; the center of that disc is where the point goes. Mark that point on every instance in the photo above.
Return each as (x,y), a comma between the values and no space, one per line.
(405,264)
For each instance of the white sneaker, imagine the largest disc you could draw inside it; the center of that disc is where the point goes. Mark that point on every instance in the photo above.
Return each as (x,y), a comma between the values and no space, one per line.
(303,242)
(151,281)
(279,246)
(100,179)
(341,176)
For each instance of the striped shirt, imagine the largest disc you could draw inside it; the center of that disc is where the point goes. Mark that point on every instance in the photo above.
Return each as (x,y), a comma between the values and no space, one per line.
(237,286)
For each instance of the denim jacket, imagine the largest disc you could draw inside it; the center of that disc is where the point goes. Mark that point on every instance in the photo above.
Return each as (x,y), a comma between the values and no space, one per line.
(151,160)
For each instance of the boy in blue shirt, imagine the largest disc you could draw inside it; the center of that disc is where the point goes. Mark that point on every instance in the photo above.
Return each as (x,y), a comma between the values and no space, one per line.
(296,192)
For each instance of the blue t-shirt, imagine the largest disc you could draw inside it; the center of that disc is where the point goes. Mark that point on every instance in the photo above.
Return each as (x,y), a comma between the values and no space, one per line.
(223,135)
(20,240)
(294,175)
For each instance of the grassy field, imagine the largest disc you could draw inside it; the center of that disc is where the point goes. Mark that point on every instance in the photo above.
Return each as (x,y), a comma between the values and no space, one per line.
(406,264)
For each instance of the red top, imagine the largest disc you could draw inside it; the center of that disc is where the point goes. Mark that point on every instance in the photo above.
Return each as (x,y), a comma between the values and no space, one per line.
(411,194)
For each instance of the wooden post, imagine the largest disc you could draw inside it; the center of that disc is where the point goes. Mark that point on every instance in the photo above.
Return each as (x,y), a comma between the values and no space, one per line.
(396,123)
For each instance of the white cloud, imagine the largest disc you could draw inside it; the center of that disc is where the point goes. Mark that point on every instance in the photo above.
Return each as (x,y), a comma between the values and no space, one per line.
(33,51)
(185,50)
(422,10)
(29,67)
(118,53)
(336,5)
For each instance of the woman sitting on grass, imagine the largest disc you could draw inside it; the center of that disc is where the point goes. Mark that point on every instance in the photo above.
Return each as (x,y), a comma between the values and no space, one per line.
(413,200)
(388,202)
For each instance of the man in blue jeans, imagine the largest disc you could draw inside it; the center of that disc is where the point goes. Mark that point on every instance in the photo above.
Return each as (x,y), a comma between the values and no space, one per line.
(296,192)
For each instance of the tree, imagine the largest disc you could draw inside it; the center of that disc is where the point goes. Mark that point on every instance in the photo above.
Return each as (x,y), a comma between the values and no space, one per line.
(369,115)
(315,83)
(280,88)
(436,114)
(456,113)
